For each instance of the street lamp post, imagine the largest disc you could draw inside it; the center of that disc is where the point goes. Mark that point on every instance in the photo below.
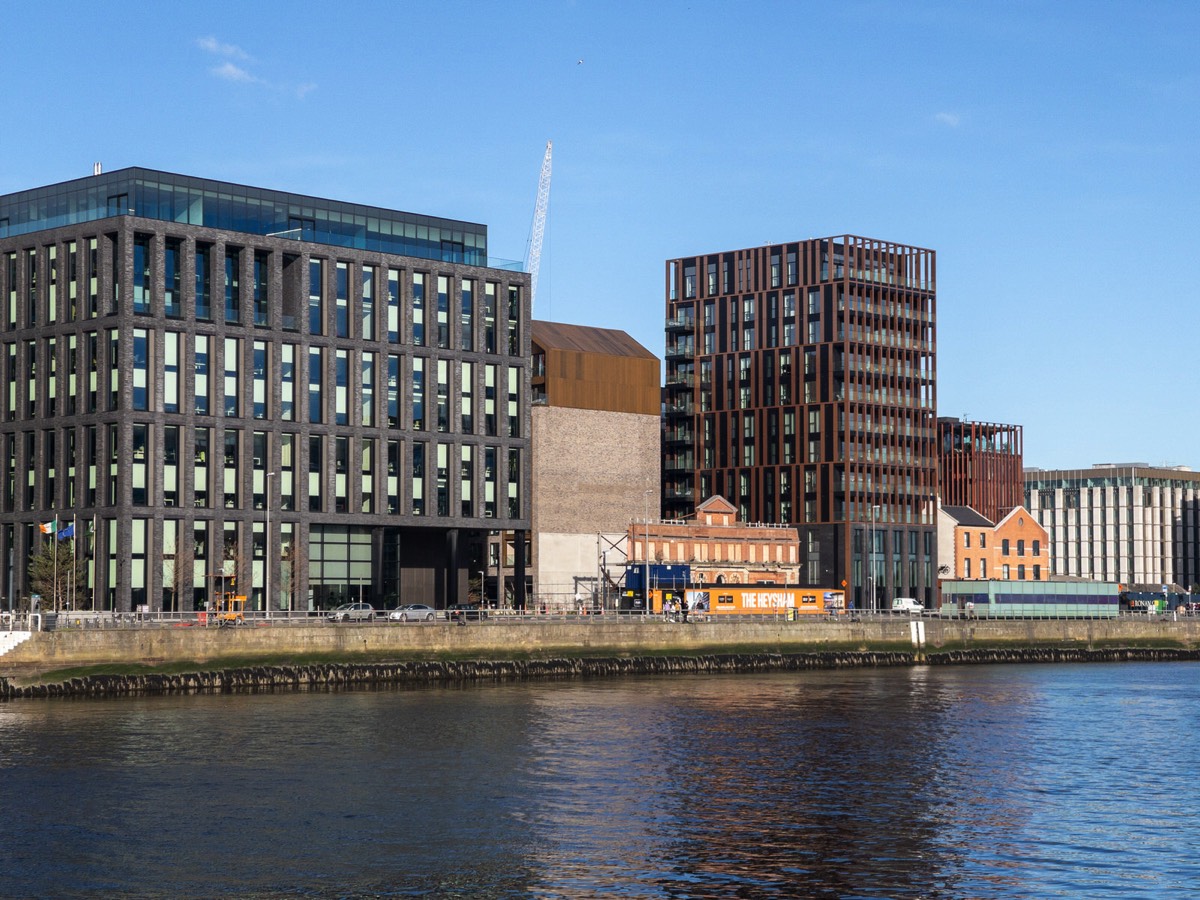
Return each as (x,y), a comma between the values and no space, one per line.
(267,553)
(482,593)
(871,551)
(646,552)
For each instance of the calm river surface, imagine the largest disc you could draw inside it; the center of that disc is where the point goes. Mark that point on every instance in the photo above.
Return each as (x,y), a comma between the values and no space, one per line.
(989,781)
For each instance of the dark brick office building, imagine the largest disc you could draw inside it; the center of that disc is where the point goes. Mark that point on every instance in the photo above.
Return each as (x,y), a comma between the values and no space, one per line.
(325,399)
(801,387)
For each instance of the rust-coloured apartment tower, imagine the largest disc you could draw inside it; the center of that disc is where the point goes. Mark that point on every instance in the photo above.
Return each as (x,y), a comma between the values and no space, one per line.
(801,386)
(980,466)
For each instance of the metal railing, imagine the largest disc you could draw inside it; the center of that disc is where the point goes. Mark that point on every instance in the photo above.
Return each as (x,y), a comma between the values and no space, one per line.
(537,612)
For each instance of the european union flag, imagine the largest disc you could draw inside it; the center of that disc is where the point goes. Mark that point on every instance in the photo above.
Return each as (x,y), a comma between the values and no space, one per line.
(67,532)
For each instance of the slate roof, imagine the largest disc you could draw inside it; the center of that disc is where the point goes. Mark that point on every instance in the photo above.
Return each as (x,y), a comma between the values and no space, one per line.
(965,515)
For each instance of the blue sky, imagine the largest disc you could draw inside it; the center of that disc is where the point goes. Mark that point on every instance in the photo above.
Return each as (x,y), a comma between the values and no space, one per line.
(1047,151)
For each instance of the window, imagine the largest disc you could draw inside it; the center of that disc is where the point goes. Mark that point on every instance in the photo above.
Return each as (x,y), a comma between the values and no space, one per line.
(233,353)
(200,383)
(316,295)
(967,540)
(233,292)
(966,568)
(341,300)
(1037,573)
(443,311)
(172,297)
(203,282)
(368,389)
(1004,547)
(393,306)
(1020,547)
(1021,572)
(368,303)
(1004,571)
(262,269)
(314,473)
(983,540)
(1037,548)
(418,394)
(466,335)
(341,389)
(142,274)
(314,384)
(418,309)
(983,568)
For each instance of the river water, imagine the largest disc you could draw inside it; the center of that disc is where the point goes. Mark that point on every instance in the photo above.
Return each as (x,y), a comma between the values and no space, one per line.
(985,781)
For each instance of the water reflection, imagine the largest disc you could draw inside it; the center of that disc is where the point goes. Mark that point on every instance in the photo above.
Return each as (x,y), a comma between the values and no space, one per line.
(1001,781)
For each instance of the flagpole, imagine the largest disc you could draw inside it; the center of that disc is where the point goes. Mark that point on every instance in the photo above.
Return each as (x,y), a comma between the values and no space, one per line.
(74,562)
(54,533)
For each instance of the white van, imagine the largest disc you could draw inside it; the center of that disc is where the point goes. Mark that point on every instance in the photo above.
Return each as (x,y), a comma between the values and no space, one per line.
(907,605)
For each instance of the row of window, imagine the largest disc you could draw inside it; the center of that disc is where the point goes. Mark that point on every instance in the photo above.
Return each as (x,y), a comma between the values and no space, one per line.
(235,377)
(234,285)
(174,466)
(1006,570)
(1005,544)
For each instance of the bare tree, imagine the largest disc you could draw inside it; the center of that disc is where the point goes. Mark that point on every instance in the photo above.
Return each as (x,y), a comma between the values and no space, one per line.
(291,562)
(54,574)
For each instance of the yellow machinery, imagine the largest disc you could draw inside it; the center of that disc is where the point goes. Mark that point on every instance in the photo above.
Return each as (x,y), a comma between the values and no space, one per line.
(230,609)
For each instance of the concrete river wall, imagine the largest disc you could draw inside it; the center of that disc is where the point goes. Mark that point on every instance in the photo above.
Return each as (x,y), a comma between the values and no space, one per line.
(317,653)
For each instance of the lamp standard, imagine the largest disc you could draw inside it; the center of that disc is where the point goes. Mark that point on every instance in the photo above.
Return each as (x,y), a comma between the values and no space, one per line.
(646,551)
(482,593)
(871,563)
(267,553)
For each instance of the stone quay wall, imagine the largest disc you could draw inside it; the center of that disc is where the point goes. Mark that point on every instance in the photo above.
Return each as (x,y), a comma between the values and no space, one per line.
(497,639)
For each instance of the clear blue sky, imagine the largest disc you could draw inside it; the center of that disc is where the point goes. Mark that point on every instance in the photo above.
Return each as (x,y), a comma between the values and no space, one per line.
(1046,151)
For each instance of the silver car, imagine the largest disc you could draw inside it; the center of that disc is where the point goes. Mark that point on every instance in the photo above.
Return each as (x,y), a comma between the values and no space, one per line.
(413,612)
(352,612)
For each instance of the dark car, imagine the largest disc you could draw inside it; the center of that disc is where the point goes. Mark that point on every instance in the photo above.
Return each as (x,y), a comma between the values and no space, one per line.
(465,612)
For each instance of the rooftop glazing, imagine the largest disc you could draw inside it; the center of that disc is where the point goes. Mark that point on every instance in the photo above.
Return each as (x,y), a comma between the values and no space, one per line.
(233,207)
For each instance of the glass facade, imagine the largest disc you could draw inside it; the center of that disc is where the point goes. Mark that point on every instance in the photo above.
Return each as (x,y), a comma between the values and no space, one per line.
(186,200)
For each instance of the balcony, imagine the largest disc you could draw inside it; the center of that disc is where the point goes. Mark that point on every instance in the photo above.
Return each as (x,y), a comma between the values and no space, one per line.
(683,323)
(678,435)
(681,379)
(681,408)
(680,462)
(681,351)
(679,492)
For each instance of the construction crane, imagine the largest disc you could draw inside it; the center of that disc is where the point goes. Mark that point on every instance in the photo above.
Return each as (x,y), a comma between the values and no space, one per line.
(534,260)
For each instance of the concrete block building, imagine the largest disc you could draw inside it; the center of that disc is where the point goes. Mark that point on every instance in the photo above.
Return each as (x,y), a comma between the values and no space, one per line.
(595,444)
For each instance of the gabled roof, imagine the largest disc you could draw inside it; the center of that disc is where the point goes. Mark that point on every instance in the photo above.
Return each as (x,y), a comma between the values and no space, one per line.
(717,503)
(965,515)
(586,339)
(1012,512)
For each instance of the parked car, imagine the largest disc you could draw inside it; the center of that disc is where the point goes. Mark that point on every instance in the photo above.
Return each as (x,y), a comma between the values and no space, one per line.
(413,612)
(352,612)
(465,612)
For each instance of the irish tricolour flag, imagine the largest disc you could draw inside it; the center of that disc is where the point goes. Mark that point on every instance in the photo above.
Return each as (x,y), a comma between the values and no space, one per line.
(49,527)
